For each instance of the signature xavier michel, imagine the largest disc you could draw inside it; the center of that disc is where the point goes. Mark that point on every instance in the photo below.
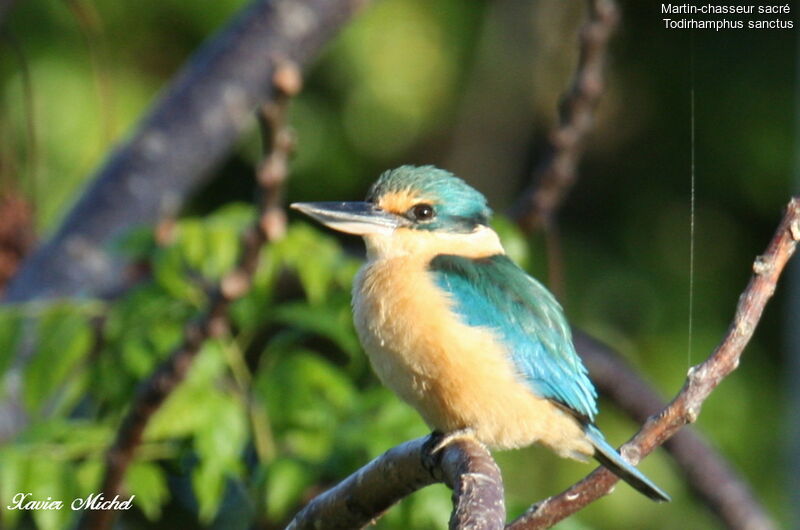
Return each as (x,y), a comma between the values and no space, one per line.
(95,501)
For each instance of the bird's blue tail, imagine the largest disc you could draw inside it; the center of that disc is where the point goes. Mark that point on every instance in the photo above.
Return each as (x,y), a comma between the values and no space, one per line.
(610,458)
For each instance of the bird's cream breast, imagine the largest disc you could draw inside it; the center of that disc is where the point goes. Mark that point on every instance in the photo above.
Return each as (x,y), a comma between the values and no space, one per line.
(455,375)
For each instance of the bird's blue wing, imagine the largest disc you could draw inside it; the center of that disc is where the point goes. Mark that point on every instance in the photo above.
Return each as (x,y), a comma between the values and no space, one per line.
(493,292)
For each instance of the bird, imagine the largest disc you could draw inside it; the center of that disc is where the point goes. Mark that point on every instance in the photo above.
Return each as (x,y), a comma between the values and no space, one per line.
(460,332)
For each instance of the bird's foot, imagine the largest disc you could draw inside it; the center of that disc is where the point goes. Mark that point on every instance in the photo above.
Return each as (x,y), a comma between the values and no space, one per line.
(447,439)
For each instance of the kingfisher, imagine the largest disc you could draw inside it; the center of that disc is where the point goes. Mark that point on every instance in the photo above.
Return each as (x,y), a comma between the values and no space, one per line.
(459,331)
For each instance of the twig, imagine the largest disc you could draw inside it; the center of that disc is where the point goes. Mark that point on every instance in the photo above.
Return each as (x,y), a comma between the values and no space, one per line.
(554,177)
(214,321)
(706,472)
(465,465)
(701,381)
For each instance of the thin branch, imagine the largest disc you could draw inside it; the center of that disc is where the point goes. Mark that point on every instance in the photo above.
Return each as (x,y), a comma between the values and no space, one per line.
(555,176)
(551,181)
(186,133)
(465,465)
(705,470)
(214,321)
(701,381)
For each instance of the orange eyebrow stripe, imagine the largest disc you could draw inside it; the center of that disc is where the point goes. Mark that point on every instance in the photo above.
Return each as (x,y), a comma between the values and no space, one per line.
(398,201)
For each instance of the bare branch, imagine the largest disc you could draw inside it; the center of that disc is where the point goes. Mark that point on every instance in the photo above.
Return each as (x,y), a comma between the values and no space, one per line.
(370,491)
(187,132)
(701,381)
(554,177)
(465,465)
(214,321)
(737,507)
(706,472)
(477,486)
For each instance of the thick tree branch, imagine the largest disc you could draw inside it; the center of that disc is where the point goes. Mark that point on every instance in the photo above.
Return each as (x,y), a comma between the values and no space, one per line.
(369,492)
(556,174)
(478,493)
(465,465)
(214,321)
(187,132)
(701,381)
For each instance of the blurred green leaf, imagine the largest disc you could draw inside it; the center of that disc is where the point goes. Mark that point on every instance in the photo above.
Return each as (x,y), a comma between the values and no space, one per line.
(12,472)
(136,243)
(330,321)
(208,483)
(171,272)
(10,332)
(82,438)
(64,338)
(223,436)
(192,406)
(89,475)
(316,275)
(306,397)
(514,241)
(211,245)
(287,480)
(147,481)
(47,480)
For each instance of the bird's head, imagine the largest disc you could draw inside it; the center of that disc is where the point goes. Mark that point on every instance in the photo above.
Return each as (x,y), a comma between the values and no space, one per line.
(419,210)
(407,198)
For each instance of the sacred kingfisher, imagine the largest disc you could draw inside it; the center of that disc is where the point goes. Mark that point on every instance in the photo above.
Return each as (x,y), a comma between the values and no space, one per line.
(458,330)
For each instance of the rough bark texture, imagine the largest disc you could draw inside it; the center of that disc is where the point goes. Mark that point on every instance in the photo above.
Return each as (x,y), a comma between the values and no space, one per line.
(464,464)
(478,500)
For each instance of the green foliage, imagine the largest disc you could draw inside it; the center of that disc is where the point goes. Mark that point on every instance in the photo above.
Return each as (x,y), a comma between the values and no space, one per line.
(146,480)
(269,406)
(63,340)
(287,481)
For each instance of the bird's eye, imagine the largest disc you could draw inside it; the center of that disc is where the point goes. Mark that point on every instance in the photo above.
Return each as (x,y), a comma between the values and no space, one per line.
(422,212)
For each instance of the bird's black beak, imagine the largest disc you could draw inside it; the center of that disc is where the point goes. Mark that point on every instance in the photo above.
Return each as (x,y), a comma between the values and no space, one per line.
(359,218)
